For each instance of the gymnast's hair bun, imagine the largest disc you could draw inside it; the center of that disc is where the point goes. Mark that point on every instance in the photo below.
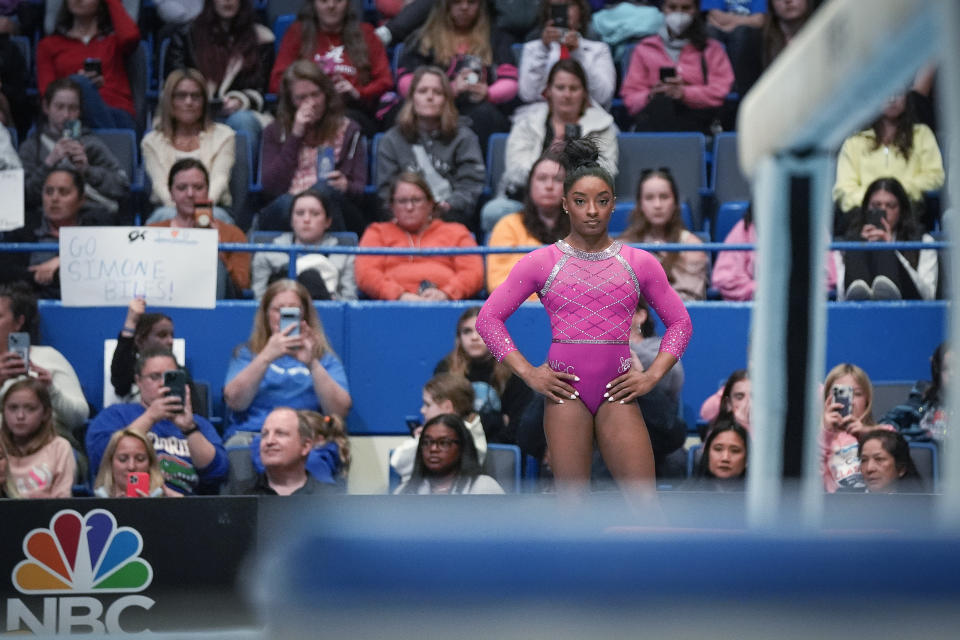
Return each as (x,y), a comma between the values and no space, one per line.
(580,152)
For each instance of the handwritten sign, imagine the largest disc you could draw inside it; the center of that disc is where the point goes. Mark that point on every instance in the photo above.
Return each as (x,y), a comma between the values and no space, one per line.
(108,266)
(11,195)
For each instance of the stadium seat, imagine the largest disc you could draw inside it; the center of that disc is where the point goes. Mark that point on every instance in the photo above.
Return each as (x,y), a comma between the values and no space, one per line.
(683,153)
(728,182)
(242,471)
(693,458)
(496,161)
(241,181)
(138,71)
(503,465)
(280,25)
(161,69)
(925,457)
(729,214)
(395,59)
(123,145)
(374,146)
(26,50)
(14,138)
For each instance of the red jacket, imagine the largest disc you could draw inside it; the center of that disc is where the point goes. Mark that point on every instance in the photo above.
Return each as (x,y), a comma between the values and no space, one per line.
(387,277)
(698,93)
(59,56)
(381,80)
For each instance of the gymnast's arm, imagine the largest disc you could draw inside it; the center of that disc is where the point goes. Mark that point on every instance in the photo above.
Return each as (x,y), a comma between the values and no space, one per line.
(525,278)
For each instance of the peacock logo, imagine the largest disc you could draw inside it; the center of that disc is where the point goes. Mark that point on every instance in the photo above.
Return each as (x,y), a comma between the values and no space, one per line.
(82,554)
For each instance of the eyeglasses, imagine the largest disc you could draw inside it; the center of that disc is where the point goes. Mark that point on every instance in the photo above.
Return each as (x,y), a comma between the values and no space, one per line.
(442,443)
(184,95)
(409,202)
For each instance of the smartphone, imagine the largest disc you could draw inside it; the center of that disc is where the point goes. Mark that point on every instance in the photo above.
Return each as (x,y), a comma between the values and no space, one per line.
(71,129)
(558,16)
(18,342)
(176,381)
(93,65)
(203,215)
(667,73)
(413,423)
(325,164)
(876,217)
(843,395)
(290,316)
(138,480)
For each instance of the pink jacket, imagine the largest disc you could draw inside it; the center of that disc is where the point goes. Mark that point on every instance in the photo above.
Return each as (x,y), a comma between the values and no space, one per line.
(733,271)
(698,93)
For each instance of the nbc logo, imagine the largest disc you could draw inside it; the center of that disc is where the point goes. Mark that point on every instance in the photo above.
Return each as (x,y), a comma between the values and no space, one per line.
(79,554)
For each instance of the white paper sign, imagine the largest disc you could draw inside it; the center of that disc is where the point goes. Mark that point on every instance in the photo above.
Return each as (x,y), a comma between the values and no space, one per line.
(108,266)
(11,199)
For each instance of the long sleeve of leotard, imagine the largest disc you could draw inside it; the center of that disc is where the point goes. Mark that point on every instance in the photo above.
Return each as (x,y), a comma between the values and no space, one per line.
(526,277)
(656,289)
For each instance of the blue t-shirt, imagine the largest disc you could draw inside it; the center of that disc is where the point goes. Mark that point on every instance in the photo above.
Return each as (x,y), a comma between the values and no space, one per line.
(170,444)
(287,383)
(743,7)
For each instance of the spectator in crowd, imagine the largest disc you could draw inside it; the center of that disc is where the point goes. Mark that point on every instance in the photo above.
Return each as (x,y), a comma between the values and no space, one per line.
(40,464)
(286,441)
(346,51)
(191,453)
(59,141)
(500,397)
(460,37)
(723,463)
(18,312)
(429,139)
(417,278)
(656,218)
(188,183)
(541,220)
(326,277)
(62,203)
(677,79)
(566,113)
(886,464)
(184,128)
(312,144)
(15,109)
(733,271)
(661,405)
(731,403)
(234,53)
(737,25)
(127,452)
(447,461)
(566,40)
(886,215)
(293,366)
(99,30)
(444,393)
(923,416)
(847,416)
(896,146)
(142,331)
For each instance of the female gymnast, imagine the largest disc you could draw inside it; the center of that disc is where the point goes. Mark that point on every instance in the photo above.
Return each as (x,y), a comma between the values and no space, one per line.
(589,286)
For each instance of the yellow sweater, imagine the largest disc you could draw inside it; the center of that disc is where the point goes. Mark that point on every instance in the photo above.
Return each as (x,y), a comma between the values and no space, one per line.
(859,164)
(508,232)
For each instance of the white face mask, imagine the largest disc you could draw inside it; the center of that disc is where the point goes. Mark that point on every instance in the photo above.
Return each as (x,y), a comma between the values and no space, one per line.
(678,21)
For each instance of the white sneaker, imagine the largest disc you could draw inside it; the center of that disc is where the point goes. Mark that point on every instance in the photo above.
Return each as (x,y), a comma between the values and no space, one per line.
(859,290)
(885,289)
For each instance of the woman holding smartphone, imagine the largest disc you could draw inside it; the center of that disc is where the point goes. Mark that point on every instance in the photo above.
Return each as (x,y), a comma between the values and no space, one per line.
(287,362)
(886,215)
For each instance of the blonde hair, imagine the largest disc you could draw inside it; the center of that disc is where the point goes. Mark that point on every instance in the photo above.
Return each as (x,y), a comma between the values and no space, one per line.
(104,479)
(331,428)
(261,321)
(7,488)
(407,118)
(861,378)
(44,434)
(164,121)
(438,35)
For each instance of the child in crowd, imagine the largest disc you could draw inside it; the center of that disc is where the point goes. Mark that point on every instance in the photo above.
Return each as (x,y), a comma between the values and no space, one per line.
(40,463)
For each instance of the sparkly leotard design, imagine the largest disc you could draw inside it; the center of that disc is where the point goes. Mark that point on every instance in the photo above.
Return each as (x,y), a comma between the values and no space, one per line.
(590,298)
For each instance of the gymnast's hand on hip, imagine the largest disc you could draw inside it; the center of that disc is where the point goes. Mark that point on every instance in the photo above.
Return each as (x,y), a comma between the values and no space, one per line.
(630,386)
(552,384)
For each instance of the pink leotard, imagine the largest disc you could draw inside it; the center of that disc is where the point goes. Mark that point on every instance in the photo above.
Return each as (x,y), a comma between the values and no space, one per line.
(590,298)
